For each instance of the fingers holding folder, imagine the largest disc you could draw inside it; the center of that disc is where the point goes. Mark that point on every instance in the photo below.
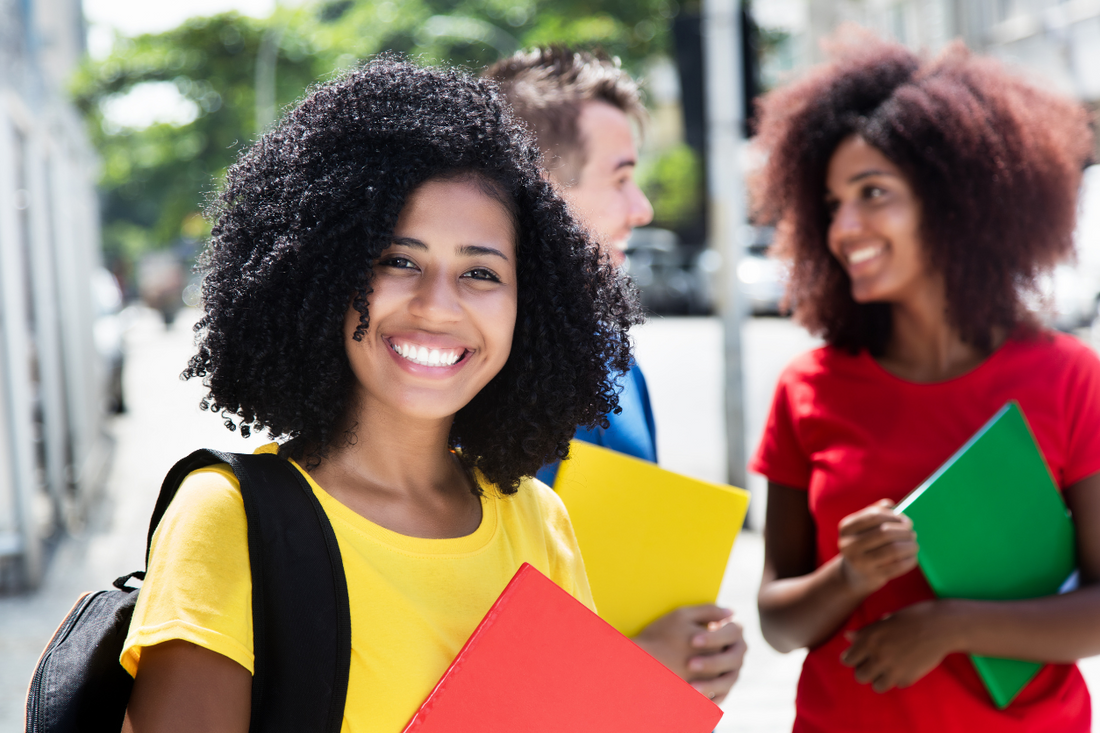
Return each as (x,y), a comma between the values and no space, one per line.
(702,644)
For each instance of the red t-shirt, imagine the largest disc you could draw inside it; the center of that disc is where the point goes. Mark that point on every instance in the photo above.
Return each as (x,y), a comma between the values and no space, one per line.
(851,433)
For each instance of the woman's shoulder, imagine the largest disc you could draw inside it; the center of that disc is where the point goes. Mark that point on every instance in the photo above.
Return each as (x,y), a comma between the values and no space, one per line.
(1051,351)
(534,508)
(212,487)
(208,502)
(531,496)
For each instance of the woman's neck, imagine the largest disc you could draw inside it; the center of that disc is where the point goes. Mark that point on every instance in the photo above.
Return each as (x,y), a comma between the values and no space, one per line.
(400,474)
(924,346)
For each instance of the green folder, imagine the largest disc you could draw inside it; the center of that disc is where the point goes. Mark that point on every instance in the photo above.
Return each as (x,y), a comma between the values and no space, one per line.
(992,525)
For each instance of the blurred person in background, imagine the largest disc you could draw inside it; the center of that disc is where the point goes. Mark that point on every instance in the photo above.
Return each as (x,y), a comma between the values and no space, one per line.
(918,201)
(581,107)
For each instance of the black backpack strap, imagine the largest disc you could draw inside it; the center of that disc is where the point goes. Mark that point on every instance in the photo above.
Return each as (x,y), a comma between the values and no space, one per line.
(301,621)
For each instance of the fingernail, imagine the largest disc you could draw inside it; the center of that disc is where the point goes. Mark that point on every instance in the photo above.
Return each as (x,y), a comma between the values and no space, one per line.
(699,640)
(695,665)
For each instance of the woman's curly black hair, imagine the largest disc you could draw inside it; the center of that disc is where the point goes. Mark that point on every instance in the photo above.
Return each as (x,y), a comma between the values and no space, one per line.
(308,209)
(994,160)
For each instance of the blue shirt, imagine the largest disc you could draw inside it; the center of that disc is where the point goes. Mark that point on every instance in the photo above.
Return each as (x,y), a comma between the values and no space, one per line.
(632,431)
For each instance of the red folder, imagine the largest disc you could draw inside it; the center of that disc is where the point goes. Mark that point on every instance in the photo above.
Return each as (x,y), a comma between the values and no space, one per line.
(541,662)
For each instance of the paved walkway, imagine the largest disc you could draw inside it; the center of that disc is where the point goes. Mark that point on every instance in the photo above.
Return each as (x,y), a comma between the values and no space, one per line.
(682,358)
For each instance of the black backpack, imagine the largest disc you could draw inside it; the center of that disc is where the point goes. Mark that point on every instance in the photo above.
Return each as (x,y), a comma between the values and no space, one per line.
(300,616)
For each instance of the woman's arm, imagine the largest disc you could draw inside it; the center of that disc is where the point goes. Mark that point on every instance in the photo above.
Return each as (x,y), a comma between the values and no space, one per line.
(802,606)
(903,647)
(183,688)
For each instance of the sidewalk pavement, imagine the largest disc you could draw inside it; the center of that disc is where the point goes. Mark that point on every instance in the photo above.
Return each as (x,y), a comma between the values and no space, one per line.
(682,358)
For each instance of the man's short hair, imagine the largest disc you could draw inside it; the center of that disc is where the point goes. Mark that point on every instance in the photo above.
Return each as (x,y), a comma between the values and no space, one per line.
(547,87)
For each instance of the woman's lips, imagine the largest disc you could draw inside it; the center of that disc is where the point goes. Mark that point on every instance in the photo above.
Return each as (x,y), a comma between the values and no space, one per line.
(428,355)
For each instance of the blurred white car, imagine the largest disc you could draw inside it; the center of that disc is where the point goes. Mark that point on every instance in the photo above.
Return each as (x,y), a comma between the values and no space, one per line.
(763,279)
(671,277)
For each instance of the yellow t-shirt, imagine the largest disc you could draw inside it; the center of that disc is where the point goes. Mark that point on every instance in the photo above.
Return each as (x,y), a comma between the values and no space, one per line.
(414,601)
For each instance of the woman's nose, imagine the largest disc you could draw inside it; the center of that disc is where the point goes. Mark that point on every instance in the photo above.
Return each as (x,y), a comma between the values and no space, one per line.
(436,298)
(847,219)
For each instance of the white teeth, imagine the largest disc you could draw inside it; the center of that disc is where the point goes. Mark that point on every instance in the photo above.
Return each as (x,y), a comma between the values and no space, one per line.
(862,255)
(425,357)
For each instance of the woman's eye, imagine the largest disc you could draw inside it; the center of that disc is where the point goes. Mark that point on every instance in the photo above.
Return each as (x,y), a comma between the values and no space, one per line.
(482,273)
(873,192)
(831,205)
(396,262)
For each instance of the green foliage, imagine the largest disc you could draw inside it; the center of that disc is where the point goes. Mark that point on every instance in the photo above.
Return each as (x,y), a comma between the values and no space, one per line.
(474,33)
(154,180)
(672,182)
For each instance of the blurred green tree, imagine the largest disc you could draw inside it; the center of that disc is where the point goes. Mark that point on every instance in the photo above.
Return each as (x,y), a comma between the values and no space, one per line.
(672,179)
(153,180)
(232,74)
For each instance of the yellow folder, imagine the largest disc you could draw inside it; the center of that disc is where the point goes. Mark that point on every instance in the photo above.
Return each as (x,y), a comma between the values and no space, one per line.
(652,540)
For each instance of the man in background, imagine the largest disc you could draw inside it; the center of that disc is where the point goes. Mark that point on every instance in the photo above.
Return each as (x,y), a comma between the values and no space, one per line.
(580,106)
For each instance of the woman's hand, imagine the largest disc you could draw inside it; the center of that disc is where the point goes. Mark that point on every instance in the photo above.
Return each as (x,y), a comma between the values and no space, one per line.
(802,605)
(701,644)
(902,647)
(876,545)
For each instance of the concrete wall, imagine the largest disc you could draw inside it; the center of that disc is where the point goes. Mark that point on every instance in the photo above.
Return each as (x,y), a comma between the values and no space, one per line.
(52,444)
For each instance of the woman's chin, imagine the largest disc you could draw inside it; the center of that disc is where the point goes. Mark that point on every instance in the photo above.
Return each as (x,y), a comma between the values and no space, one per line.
(868,292)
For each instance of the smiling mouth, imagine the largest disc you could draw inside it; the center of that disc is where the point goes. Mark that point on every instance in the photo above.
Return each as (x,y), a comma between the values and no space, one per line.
(424,356)
(863,254)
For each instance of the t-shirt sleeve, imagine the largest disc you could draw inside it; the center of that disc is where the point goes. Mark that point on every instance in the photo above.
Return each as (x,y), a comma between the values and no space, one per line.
(198,586)
(780,457)
(1083,419)
(566,563)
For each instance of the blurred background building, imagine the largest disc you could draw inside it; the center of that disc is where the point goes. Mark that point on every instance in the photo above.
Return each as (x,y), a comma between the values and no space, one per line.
(1057,41)
(52,445)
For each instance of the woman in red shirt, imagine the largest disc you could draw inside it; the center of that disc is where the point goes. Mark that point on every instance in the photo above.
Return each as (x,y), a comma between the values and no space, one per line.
(918,201)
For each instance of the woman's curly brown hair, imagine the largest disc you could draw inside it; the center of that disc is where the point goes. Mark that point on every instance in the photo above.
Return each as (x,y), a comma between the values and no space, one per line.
(995,161)
(308,209)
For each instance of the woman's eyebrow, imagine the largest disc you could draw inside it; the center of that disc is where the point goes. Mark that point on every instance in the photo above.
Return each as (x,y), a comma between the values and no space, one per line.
(466,250)
(473,250)
(408,242)
(869,173)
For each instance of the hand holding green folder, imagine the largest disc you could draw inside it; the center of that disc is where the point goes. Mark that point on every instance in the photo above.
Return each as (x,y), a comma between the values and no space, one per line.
(992,525)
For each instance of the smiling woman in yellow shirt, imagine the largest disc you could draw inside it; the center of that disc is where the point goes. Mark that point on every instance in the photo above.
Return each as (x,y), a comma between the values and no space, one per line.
(387,270)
